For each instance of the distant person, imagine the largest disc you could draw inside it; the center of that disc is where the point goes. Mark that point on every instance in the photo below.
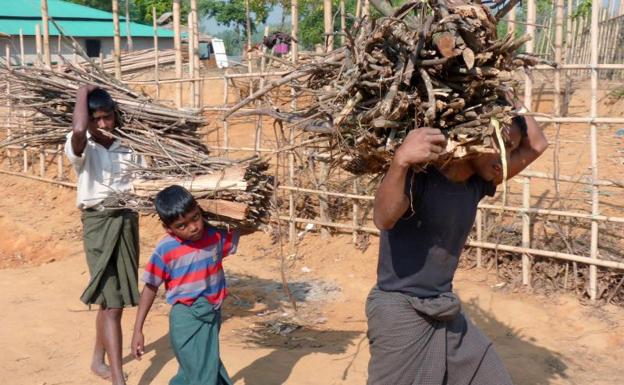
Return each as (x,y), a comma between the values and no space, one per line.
(425,211)
(111,237)
(188,260)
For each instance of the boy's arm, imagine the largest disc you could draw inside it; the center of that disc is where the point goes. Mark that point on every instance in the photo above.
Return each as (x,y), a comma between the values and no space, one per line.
(420,146)
(80,119)
(145,304)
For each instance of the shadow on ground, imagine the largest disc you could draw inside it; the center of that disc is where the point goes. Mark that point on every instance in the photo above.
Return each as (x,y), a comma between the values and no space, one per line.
(527,362)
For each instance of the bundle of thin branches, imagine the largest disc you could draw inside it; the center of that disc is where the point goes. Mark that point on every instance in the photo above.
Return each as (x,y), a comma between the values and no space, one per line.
(436,63)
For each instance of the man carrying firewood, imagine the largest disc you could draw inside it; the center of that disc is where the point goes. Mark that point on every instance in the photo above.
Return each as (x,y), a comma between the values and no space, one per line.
(425,211)
(111,237)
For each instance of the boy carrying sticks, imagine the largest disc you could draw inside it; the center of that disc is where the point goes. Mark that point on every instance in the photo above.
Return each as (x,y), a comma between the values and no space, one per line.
(189,262)
(111,237)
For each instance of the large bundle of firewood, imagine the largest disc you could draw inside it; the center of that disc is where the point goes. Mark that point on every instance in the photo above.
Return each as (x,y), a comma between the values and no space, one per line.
(168,140)
(436,63)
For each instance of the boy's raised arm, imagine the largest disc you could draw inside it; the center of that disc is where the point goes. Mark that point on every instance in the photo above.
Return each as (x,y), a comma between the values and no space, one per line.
(145,304)
(80,119)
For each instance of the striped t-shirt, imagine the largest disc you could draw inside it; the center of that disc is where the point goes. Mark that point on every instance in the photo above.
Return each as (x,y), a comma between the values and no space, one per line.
(191,270)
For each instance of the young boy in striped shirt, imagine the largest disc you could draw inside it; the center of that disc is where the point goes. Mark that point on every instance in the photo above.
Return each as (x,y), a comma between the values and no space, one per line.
(189,262)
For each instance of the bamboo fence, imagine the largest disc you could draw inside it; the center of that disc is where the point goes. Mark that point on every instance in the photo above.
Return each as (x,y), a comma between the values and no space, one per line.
(581,45)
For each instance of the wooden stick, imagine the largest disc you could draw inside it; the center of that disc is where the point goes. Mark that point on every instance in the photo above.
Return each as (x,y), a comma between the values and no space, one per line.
(177,46)
(329,25)
(526,231)
(323,201)
(593,271)
(343,22)
(557,96)
(116,39)
(128,32)
(38,48)
(479,231)
(46,34)
(356,209)
(191,66)
(530,30)
(22,55)
(59,162)
(40,179)
(511,22)
(196,62)
(294,31)
(41,162)
(156,54)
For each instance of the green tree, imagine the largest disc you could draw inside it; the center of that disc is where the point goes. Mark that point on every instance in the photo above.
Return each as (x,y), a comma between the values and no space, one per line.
(104,5)
(143,9)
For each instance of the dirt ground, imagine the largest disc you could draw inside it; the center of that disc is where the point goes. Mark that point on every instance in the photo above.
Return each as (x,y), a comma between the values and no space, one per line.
(47,334)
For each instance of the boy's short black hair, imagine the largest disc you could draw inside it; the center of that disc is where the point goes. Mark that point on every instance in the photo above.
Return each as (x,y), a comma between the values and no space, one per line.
(173,202)
(100,100)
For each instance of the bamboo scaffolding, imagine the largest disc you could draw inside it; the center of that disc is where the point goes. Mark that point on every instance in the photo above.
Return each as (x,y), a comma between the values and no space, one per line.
(156,54)
(328,25)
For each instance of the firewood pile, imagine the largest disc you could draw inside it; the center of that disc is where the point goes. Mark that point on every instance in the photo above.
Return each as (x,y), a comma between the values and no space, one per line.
(437,63)
(232,192)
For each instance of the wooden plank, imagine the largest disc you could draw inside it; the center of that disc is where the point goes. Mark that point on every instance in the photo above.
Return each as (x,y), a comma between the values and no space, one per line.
(234,210)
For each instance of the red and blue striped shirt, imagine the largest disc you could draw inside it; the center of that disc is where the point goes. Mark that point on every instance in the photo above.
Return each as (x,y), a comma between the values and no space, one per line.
(191,270)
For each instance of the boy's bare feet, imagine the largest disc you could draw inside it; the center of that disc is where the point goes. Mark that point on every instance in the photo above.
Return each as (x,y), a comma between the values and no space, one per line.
(101,370)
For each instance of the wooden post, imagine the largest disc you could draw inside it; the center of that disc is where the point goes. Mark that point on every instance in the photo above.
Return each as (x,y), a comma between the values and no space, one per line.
(38,61)
(557,95)
(526,231)
(294,33)
(25,159)
(177,45)
(196,64)
(128,33)
(190,36)
(226,90)
(59,162)
(41,161)
(102,60)
(248,33)
(258,135)
(22,55)
(479,228)
(329,25)
(511,26)
(358,8)
(323,199)
(46,34)
(366,9)
(9,102)
(530,30)
(343,22)
(593,271)
(292,236)
(117,40)
(356,209)
(156,53)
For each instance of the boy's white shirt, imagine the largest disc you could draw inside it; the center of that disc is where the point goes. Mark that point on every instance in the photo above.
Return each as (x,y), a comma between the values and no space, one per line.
(101,171)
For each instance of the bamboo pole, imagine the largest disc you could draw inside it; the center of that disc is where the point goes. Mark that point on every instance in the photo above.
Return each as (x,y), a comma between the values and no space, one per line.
(9,103)
(356,209)
(41,161)
(366,9)
(343,22)
(557,95)
(46,34)
(177,46)
(291,136)
(22,54)
(358,8)
(248,32)
(38,44)
(116,39)
(156,53)
(196,65)
(511,22)
(128,32)
(59,162)
(479,231)
(593,272)
(323,199)
(526,231)
(528,79)
(191,66)
(258,133)
(328,24)
(225,122)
